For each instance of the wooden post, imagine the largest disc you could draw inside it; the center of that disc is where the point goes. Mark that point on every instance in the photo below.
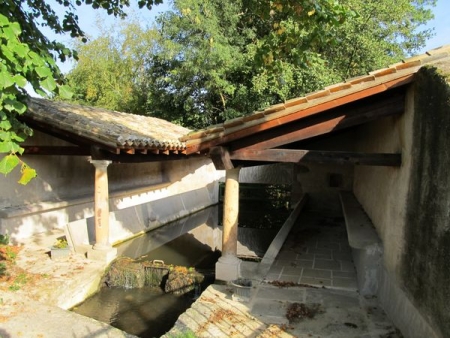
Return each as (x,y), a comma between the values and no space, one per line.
(228,265)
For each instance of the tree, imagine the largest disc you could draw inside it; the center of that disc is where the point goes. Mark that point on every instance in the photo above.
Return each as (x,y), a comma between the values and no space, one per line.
(217,61)
(111,70)
(214,60)
(27,56)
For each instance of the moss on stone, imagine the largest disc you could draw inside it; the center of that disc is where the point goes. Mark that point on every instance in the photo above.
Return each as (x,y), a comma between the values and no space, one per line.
(425,268)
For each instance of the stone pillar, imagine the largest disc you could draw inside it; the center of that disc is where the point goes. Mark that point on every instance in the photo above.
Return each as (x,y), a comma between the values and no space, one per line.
(102,249)
(228,265)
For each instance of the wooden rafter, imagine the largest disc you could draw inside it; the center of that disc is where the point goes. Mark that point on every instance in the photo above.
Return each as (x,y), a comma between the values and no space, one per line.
(296,156)
(57,150)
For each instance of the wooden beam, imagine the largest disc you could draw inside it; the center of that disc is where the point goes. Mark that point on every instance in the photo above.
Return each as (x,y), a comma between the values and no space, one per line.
(292,114)
(322,124)
(317,156)
(221,158)
(57,150)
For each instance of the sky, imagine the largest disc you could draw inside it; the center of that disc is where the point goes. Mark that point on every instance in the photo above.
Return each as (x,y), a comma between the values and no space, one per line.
(88,18)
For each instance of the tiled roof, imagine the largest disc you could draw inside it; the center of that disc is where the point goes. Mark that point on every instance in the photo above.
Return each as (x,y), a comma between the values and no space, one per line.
(112,129)
(330,97)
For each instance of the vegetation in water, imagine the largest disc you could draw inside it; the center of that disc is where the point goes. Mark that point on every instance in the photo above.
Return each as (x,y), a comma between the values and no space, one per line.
(61,243)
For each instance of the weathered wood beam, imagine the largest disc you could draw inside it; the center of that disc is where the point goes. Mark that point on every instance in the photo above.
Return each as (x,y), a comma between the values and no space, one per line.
(322,124)
(57,150)
(317,156)
(221,158)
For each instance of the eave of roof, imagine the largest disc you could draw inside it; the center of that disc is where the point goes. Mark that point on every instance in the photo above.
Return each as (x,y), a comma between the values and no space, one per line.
(375,82)
(112,130)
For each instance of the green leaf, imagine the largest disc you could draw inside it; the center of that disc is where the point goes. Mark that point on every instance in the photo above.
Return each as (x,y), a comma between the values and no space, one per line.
(5,147)
(5,125)
(20,81)
(14,105)
(43,71)
(8,163)
(15,28)
(27,175)
(65,91)
(3,20)
(6,80)
(48,84)
(21,50)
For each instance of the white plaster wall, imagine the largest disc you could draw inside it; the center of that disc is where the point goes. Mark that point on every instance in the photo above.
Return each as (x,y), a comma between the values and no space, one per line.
(140,194)
(382,190)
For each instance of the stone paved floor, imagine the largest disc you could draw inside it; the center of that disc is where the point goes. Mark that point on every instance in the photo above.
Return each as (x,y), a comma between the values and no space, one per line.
(316,252)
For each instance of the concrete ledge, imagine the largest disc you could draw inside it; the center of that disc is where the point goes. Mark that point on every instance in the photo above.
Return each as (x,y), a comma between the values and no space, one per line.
(367,249)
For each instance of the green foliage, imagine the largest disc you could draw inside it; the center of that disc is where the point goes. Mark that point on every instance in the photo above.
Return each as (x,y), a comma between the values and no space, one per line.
(212,60)
(61,243)
(19,281)
(4,239)
(217,61)
(3,270)
(110,72)
(28,57)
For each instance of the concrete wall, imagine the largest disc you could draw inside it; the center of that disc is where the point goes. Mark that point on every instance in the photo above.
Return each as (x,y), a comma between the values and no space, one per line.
(410,205)
(322,182)
(142,196)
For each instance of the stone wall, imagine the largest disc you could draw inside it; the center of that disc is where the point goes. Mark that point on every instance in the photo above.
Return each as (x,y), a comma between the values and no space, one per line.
(142,196)
(410,205)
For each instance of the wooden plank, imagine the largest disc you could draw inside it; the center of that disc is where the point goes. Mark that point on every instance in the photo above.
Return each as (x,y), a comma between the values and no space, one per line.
(322,124)
(335,157)
(221,158)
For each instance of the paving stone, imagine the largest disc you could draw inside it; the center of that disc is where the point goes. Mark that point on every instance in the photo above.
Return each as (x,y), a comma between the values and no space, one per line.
(327,264)
(329,245)
(289,278)
(302,263)
(288,270)
(288,255)
(349,283)
(275,269)
(315,281)
(272,277)
(295,294)
(306,256)
(346,256)
(319,251)
(314,273)
(344,274)
(323,256)
(347,266)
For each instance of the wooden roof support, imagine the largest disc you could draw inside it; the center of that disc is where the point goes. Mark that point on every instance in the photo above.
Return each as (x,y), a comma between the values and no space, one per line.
(221,158)
(325,123)
(336,157)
